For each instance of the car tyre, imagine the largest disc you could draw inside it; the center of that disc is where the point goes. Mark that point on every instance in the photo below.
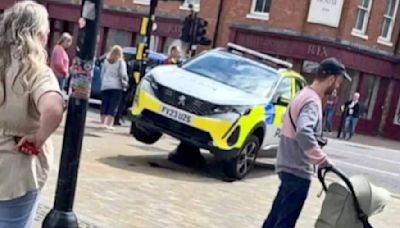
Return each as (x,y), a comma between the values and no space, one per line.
(238,167)
(144,135)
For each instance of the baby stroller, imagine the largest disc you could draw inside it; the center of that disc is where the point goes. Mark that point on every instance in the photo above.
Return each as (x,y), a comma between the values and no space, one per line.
(349,205)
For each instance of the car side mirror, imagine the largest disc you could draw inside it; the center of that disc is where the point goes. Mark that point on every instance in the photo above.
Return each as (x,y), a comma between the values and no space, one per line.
(282,101)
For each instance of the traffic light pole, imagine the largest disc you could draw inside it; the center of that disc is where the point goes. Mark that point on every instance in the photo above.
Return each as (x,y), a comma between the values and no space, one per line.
(141,59)
(142,49)
(147,36)
(62,214)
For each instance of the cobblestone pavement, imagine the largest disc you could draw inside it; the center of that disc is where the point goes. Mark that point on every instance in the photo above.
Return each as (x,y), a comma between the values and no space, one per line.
(123,183)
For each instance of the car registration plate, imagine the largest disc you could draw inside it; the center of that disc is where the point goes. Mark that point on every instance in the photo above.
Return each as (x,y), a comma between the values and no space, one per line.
(176,114)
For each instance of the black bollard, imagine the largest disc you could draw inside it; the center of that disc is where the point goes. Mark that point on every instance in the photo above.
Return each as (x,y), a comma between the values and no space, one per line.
(62,214)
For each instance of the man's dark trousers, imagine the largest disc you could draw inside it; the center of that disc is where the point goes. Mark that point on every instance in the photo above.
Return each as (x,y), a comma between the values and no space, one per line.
(288,202)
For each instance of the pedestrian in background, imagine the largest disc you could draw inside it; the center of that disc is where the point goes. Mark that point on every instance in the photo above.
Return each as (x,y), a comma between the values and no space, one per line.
(329,111)
(114,80)
(352,111)
(300,148)
(174,56)
(59,60)
(30,111)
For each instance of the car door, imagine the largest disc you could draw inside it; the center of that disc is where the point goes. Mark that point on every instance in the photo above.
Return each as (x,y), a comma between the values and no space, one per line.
(284,91)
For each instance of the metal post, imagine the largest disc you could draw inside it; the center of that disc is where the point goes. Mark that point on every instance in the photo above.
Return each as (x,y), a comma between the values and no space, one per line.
(62,214)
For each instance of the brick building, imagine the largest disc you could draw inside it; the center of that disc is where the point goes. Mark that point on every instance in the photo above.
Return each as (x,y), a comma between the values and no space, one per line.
(363,34)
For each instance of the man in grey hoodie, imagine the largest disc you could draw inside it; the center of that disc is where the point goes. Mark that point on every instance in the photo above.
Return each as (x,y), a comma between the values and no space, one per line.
(299,151)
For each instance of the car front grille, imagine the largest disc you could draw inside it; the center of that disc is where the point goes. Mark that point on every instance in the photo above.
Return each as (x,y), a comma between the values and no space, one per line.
(184,102)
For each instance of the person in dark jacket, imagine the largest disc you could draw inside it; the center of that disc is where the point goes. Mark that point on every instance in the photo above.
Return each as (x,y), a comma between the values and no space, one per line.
(352,114)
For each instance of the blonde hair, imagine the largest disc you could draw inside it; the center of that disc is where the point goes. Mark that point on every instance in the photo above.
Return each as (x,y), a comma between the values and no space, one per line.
(115,54)
(21,28)
(64,38)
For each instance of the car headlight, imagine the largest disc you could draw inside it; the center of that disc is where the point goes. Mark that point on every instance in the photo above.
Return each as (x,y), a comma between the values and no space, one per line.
(221,109)
(148,84)
(150,78)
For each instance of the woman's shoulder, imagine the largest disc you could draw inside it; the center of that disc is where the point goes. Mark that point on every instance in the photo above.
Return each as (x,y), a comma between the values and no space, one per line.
(122,61)
(44,78)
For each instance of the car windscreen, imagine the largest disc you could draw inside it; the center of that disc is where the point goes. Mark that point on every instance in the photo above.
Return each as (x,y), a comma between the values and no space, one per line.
(234,71)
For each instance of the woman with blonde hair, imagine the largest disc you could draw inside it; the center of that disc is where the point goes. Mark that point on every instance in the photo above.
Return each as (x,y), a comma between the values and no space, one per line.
(59,61)
(30,111)
(114,80)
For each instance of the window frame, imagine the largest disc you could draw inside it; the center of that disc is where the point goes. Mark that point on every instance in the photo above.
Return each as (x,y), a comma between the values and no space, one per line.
(258,15)
(185,6)
(387,40)
(363,30)
(142,2)
(368,100)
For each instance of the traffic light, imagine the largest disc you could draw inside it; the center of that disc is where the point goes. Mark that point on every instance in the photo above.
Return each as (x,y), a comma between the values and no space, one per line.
(200,34)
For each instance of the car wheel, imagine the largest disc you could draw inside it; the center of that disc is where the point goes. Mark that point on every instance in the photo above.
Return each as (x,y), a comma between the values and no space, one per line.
(144,135)
(241,165)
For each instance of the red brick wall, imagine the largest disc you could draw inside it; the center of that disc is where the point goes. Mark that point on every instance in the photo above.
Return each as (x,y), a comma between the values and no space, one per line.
(208,10)
(292,15)
(285,14)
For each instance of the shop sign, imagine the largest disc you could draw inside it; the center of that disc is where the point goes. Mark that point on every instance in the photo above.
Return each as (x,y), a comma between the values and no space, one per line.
(325,12)
(175,29)
(317,50)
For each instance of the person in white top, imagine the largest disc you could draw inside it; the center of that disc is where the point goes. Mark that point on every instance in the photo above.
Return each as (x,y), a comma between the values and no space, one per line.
(114,80)
(352,111)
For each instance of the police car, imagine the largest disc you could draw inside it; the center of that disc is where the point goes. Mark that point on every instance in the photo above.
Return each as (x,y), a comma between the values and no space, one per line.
(229,101)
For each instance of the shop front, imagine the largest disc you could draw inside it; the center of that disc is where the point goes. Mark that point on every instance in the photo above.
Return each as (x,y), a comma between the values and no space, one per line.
(371,73)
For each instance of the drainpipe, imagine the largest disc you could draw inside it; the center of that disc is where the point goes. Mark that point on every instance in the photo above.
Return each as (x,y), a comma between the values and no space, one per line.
(216,32)
(396,46)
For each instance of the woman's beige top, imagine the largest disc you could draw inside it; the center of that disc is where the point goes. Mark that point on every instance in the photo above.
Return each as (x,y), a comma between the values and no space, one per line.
(19,116)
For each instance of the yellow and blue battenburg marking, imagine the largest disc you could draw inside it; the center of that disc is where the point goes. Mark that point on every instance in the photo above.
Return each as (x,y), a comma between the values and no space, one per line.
(269,113)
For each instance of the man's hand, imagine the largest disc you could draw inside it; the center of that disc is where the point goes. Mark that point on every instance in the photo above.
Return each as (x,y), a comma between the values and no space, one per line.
(325,164)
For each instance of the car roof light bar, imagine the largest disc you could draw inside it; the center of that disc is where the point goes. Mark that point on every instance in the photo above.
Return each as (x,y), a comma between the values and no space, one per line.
(232,46)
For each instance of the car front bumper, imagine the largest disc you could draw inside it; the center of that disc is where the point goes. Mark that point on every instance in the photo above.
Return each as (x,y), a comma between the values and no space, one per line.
(203,131)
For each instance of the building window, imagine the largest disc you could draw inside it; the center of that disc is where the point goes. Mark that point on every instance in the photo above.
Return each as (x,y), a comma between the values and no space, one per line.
(363,12)
(117,37)
(397,114)
(142,2)
(260,9)
(369,92)
(195,4)
(347,90)
(388,20)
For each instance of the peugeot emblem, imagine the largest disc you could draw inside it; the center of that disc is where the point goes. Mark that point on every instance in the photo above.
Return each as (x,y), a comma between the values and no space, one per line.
(182,100)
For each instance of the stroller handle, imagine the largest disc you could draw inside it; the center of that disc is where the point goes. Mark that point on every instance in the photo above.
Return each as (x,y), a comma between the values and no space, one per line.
(321,177)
